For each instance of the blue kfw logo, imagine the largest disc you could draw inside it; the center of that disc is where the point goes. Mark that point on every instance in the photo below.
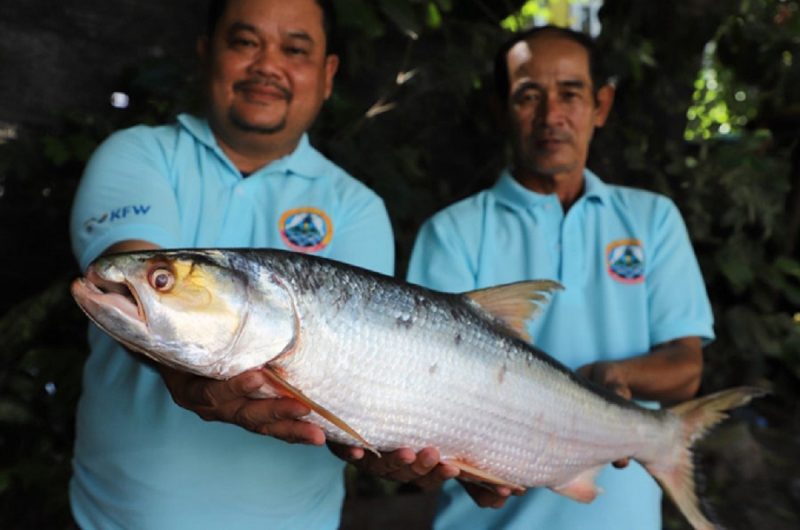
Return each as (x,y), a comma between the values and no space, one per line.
(117,214)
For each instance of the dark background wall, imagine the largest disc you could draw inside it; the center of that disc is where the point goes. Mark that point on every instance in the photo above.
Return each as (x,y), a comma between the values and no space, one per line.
(59,55)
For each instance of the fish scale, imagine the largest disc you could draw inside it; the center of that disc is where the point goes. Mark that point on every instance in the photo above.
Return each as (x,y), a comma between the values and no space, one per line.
(474,399)
(385,364)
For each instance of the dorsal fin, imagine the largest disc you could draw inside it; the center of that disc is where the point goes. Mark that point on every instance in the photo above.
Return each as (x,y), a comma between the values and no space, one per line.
(515,303)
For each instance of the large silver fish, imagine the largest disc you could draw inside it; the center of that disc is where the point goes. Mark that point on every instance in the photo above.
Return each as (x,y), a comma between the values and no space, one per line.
(384,364)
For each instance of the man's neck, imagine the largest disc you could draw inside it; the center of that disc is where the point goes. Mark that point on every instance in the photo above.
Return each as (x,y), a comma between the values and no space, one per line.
(567,186)
(250,152)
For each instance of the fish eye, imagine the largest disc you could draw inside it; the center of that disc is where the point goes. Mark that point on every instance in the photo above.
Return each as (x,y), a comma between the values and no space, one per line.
(162,279)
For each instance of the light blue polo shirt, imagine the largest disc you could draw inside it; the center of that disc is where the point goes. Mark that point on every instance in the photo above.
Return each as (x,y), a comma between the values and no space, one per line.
(631,282)
(140,460)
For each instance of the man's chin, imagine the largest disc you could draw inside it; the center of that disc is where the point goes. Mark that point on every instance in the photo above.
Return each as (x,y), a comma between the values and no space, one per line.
(552,170)
(257,126)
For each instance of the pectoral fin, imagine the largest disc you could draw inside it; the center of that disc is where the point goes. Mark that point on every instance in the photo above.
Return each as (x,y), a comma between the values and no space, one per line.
(582,488)
(515,303)
(473,474)
(284,388)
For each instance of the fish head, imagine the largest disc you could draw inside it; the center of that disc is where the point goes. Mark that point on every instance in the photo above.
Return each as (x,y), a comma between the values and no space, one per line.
(191,310)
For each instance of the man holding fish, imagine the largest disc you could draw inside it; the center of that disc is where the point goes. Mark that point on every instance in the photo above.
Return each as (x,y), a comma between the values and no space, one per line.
(244,175)
(634,313)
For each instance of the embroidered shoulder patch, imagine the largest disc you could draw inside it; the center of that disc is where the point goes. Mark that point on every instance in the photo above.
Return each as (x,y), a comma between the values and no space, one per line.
(305,229)
(625,260)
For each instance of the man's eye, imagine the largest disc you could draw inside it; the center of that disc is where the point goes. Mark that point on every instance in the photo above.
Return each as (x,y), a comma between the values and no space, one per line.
(240,42)
(525,97)
(295,50)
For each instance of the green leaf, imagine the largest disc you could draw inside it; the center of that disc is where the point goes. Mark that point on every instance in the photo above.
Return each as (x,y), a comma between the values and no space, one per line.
(734,265)
(434,18)
(14,412)
(360,16)
(788,266)
(55,150)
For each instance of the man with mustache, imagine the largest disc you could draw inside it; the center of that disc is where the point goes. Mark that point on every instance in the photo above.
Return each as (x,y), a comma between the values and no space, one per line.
(244,175)
(634,313)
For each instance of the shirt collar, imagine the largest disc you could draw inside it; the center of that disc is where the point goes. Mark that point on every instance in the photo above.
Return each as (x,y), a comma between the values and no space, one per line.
(594,187)
(510,192)
(304,160)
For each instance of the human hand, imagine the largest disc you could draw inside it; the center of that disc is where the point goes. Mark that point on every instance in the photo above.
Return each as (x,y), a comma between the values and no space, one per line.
(609,374)
(613,376)
(229,401)
(423,468)
(489,496)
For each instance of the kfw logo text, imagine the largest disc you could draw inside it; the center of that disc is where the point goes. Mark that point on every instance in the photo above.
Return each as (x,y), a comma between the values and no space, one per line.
(117,214)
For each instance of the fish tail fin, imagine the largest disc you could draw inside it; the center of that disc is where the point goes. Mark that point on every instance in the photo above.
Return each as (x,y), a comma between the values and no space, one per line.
(676,474)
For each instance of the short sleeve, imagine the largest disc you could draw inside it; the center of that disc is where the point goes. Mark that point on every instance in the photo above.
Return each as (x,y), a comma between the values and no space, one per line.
(439,259)
(364,237)
(679,305)
(125,193)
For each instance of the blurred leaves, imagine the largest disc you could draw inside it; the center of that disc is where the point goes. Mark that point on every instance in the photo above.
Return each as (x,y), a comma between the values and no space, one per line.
(43,336)
(739,194)
(43,352)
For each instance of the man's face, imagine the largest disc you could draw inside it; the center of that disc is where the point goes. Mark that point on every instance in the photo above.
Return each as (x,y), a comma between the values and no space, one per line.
(552,107)
(268,69)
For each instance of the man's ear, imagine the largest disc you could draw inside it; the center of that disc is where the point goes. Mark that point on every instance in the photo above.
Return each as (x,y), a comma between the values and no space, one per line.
(605,100)
(331,66)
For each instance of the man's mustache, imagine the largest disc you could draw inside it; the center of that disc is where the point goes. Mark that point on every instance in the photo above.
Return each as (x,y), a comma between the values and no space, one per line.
(247,84)
(552,134)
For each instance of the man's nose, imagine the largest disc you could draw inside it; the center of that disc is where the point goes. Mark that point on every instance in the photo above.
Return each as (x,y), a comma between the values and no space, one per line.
(551,110)
(268,62)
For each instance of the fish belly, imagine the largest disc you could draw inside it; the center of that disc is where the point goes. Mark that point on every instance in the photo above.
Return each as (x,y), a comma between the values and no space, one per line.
(402,377)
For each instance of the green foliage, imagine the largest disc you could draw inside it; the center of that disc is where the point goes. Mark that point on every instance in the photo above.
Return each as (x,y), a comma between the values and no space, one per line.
(424,95)
(735,209)
(43,353)
(738,194)
(555,12)
(720,103)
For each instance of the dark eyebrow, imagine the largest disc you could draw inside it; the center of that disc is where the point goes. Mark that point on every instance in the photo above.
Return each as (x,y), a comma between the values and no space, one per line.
(300,35)
(241,26)
(292,34)
(578,84)
(525,85)
(572,83)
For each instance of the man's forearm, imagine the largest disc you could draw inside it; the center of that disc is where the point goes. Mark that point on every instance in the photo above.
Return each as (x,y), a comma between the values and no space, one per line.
(669,373)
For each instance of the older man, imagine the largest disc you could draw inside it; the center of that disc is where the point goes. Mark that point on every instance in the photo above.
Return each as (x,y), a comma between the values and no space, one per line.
(244,175)
(634,312)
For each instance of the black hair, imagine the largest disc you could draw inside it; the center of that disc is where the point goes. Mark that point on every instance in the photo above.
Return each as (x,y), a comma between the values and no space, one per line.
(217,7)
(501,75)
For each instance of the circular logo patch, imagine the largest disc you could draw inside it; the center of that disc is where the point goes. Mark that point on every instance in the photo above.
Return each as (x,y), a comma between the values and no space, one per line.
(625,260)
(306,229)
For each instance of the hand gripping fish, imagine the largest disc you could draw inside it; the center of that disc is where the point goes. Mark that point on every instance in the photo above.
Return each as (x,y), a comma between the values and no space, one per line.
(385,364)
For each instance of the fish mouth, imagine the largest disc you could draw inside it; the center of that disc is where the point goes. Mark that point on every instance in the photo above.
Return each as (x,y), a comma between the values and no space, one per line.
(94,293)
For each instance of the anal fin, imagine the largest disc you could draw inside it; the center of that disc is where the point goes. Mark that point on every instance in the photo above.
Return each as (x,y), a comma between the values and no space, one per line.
(582,488)
(285,388)
(473,474)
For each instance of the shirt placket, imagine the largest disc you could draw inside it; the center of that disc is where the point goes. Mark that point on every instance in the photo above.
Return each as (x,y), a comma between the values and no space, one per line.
(572,252)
